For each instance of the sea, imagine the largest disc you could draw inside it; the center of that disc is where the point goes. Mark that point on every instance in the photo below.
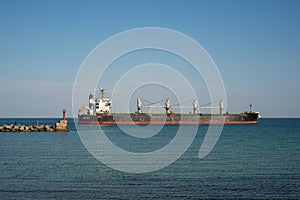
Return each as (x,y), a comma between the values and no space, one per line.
(247,162)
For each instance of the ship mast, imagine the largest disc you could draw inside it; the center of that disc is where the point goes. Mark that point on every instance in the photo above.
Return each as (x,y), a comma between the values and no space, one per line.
(195,106)
(103,91)
(221,105)
(139,106)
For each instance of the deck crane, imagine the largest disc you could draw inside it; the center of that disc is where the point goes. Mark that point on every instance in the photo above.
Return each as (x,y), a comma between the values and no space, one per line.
(167,106)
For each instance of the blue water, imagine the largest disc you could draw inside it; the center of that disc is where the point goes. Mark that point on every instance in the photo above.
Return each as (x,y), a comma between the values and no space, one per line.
(249,161)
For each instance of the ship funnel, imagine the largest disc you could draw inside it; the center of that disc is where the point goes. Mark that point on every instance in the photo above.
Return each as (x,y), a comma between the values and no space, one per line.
(91,101)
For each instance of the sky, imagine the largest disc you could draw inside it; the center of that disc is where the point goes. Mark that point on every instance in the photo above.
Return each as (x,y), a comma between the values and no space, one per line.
(255,45)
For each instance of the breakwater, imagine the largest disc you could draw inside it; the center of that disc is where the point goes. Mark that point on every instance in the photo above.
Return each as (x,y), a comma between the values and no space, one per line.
(60,126)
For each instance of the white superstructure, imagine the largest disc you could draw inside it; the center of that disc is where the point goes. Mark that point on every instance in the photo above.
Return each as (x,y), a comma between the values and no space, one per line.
(98,106)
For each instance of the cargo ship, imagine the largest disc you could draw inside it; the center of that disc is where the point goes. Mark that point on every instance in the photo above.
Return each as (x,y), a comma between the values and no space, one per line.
(99,112)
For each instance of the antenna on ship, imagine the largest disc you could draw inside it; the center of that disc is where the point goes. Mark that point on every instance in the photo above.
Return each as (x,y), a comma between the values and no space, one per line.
(103,91)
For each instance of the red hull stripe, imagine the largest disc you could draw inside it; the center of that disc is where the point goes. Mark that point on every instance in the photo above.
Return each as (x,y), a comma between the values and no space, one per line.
(167,122)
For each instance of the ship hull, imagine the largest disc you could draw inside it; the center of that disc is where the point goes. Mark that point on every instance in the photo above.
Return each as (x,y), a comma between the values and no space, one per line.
(145,119)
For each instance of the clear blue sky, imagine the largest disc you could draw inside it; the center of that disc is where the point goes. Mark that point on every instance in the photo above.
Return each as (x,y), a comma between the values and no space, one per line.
(255,44)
